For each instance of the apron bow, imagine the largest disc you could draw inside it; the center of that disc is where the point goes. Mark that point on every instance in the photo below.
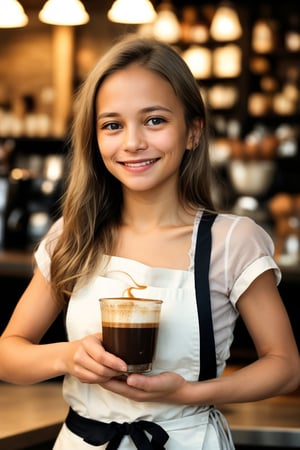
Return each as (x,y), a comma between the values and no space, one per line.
(114,432)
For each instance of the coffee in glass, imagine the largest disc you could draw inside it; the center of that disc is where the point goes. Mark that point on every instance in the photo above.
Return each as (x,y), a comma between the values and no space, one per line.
(129,330)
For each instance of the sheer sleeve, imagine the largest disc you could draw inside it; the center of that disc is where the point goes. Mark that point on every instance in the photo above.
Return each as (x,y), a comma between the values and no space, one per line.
(249,252)
(45,248)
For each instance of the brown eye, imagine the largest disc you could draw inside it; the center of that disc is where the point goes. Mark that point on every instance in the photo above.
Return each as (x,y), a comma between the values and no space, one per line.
(111,126)
(155,121)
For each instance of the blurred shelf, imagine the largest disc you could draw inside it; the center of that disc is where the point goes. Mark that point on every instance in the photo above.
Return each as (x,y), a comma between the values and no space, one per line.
(290,274)
(16,263)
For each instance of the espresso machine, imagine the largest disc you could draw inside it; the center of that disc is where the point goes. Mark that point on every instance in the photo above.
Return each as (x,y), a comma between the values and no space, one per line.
(32,201)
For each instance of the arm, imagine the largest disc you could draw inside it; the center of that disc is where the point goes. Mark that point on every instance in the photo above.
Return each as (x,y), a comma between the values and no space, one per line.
(25,361)
(277,370)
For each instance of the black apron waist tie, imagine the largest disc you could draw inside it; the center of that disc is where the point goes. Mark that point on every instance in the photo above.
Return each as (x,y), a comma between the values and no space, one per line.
(99,433)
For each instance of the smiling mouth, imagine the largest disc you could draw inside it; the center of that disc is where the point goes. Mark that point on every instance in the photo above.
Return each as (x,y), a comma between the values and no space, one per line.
(140,163)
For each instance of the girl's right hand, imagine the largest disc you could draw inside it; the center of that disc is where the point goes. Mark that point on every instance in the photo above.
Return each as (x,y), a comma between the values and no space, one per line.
(91,363)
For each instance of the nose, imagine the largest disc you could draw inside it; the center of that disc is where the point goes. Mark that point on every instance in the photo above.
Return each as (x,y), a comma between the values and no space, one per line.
(134,139)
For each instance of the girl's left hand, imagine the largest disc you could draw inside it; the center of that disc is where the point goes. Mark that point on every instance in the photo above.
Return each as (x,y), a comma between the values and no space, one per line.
(165,387)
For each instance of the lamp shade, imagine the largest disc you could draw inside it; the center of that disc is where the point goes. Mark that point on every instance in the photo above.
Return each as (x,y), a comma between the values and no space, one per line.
(225,25)
(166,26)
(198,59)
(64,12)
(227,61)
(12,14)
(132,11)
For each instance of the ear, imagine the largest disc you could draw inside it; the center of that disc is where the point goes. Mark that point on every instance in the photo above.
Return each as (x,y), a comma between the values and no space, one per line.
(194,134)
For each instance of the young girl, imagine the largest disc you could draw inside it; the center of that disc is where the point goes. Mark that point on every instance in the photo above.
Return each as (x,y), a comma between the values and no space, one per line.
(138,202)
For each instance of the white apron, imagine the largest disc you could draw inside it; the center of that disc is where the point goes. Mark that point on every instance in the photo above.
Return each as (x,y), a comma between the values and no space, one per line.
(189,427)
(241,251)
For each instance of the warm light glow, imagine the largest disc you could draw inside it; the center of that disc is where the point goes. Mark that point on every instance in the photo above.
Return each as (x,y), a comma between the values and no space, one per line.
(227,61)
(132,11)
(199,61)
(12,14)
(64,12)
(263,36)
(222,96)
(167,27)
(225,25)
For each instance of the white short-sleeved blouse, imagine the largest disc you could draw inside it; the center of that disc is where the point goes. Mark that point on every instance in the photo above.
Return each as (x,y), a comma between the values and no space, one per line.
(241,251)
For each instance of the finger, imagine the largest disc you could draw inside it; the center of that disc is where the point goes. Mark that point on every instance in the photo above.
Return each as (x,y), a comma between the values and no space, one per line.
(119,386)
(138,395)
(162,384)
(94,354)
(114,362)
(92,372)
(156,383)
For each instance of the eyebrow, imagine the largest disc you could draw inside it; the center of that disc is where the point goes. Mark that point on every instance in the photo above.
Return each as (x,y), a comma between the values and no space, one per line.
(144,110)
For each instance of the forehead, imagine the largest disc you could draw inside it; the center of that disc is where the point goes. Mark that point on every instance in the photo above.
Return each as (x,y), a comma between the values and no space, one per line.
(135,83)
(135,74)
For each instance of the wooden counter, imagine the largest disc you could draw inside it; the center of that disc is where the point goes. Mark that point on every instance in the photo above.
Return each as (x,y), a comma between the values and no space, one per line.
(273,423)
(31,415)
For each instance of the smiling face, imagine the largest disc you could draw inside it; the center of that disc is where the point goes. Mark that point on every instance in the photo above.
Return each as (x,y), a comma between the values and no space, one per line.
(141,130)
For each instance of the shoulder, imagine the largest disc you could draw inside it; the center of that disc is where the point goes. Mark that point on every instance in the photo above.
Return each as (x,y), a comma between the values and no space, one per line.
(53,234)
(242,250)
(239,239)
(231,233)
(231,228)
(46,247)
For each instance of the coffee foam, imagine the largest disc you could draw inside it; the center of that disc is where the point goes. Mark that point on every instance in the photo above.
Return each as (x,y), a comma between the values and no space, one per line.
(129,325)
(127,310)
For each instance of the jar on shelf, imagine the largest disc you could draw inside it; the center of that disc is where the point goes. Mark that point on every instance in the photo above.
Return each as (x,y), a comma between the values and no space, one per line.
(227,61)
(264,36)
(292,34)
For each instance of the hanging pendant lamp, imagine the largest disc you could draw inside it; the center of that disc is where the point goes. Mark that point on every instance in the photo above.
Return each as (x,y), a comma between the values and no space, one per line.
(64,12)
(225,25)
(12,14)
(166,26)
(132,12)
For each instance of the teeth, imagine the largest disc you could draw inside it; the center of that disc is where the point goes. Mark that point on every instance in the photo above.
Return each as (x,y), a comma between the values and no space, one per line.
(139,164)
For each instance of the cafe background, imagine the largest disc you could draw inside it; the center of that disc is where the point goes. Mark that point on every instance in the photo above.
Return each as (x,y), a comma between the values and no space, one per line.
(250,80)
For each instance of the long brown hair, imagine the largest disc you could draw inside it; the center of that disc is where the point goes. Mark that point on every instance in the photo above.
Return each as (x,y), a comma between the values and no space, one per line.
(92,204)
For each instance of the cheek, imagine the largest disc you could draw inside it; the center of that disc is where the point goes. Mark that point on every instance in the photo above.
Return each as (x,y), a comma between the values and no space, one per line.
(105,147)
(178,144)
(171,142)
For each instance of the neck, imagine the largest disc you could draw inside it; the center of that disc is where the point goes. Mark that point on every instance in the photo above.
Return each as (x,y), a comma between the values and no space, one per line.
(146,212)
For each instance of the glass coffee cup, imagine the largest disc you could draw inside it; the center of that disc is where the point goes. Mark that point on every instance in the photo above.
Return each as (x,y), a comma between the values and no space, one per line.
(129,330)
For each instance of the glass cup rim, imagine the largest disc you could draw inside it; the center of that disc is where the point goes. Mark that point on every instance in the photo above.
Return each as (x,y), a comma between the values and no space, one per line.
(132,299)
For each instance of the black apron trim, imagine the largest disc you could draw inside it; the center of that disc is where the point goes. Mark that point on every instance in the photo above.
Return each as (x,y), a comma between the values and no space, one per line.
(98,433)
(208,365)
